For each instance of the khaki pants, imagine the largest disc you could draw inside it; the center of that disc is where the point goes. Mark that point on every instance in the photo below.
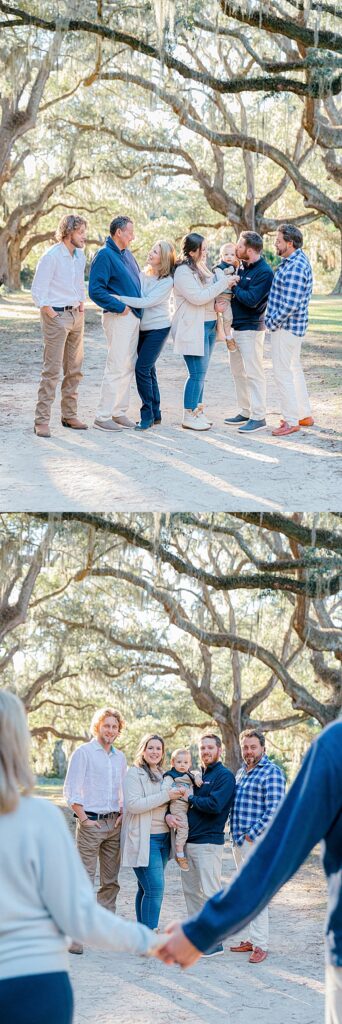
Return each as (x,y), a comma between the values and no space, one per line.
(100,840)
(204,876)
(258,928)
(246,364)
(289,376)
(333,999)
(63,348)
(122,333)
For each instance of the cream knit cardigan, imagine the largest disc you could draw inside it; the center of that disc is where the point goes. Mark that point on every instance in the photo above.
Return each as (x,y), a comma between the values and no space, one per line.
(140,797)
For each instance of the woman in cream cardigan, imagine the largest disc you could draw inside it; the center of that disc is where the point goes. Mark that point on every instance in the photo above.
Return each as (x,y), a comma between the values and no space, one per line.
(194,322)
(45,892)
(145,836)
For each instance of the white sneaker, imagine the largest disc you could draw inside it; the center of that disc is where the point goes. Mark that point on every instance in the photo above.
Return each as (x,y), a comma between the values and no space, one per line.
(194,420)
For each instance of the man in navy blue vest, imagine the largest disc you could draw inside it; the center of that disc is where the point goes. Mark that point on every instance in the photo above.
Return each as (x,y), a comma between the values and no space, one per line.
(114,272)
(209,807)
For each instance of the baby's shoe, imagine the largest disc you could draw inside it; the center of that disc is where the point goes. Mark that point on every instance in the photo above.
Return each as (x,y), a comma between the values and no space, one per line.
(182,862)
(231,344)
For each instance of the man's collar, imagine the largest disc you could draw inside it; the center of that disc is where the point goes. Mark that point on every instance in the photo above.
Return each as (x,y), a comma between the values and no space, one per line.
(259,764)
(113,245)
(100,747)
(65,251)
(206,768)
(292,254)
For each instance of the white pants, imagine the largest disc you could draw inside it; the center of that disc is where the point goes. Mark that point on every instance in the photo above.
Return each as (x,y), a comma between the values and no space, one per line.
(204,876)
(258,928)
(289,376)
(247,367)
(122,333)
(333,995)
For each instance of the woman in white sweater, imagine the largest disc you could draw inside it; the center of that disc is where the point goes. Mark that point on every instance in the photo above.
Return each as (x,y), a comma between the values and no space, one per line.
(194,322)
(156,287)
(45,892)
(145,836)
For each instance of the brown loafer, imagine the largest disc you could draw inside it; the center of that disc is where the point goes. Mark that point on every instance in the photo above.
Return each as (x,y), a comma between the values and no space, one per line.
(75,424)
(308,421)
(42,429)
(244,947)
(257,956)
(76,947)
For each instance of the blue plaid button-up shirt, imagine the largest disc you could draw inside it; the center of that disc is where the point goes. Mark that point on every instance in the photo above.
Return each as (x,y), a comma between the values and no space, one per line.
(288,301)
(258,793)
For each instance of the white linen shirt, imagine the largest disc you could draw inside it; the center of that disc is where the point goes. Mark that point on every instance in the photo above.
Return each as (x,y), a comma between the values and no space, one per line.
(59,277)
(95,778)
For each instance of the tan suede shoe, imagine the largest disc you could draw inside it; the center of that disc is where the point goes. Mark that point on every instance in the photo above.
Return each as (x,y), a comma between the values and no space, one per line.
(42,429)
(107,425)
(75,424)
(76,947)
(124,421)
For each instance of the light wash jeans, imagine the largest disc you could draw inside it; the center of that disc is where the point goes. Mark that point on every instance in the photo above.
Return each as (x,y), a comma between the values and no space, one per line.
(150,892)
(197,367)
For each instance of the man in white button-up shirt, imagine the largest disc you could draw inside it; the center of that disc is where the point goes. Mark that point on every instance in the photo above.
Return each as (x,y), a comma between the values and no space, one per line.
(94,789)
(59,292)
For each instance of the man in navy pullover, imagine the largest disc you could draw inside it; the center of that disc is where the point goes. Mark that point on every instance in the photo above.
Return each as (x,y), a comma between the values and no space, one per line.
(113,272)
(249,300)
(207,815)
(311,811)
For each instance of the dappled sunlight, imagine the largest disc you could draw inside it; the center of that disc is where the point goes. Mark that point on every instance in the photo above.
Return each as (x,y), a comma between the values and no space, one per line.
(221,442)
(18,313)
(294,445)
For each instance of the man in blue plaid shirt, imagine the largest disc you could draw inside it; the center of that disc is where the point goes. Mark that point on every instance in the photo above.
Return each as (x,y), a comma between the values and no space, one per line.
(260,785)
(287,320)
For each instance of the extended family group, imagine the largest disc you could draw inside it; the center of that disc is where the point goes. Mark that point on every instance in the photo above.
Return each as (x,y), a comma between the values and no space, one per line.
(139,817)
(235,301)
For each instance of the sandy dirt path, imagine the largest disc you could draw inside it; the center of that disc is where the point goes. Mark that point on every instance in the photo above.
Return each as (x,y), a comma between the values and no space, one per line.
(167,468)
(287,987)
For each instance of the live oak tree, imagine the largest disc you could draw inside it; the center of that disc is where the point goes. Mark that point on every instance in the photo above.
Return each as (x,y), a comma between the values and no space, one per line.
(220,75)
(236,615)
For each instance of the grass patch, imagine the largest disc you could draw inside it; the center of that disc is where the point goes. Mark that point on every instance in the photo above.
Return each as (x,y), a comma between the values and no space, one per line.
(325,314)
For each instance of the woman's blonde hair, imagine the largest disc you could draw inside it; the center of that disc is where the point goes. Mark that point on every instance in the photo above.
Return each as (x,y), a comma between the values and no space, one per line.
(167,258)
(15,773)
(139,760)
(101,714)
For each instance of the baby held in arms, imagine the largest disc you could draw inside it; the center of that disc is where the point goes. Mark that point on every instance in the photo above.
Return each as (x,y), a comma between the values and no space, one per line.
(228,261)
(182,774)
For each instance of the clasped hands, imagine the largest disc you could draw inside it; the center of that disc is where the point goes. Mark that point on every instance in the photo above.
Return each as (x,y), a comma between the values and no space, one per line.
(176,949)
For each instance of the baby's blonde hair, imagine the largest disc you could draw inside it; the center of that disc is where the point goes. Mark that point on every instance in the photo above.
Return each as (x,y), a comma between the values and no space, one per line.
(180,750)
(224,246)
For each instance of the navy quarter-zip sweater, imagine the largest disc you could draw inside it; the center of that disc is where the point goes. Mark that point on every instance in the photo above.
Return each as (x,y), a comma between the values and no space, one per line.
(311,811)
(249,297)
(209,806)
(114,270)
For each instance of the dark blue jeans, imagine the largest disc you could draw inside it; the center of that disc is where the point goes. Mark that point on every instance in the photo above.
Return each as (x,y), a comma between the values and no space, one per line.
(149,348)
(150,892)
(37,999)
(197,367)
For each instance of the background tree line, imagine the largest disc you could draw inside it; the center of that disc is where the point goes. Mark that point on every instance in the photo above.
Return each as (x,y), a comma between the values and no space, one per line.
(224,620)
(217,114)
